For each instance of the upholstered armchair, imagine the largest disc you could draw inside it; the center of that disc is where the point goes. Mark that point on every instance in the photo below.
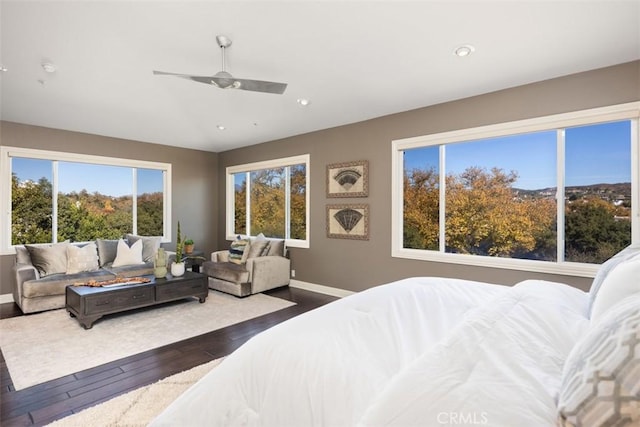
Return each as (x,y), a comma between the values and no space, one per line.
(261,265)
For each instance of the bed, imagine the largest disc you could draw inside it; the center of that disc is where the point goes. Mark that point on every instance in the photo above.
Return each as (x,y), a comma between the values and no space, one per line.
(433,351)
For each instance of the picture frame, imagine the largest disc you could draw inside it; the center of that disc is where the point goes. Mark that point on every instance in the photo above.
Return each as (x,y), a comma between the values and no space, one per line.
(348,221)
(348,179)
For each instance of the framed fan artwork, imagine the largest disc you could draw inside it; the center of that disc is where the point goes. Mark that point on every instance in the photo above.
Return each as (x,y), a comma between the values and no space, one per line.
(348,221)
(349,179)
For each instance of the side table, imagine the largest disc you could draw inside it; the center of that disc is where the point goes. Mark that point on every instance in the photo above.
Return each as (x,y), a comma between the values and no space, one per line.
(194,263)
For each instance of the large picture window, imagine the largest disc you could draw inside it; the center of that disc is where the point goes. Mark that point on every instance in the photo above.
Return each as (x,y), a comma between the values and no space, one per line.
(55,196)
(556,194)
(271,198)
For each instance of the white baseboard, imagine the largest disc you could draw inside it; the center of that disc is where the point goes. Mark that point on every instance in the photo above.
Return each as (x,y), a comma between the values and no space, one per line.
(6,298)
(327,290)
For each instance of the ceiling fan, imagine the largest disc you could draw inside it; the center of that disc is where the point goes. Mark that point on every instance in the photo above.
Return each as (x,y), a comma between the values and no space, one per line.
(224,80)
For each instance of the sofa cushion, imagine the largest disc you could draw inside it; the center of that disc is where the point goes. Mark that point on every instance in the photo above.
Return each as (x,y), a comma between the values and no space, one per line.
(130,270)
(54,284)
(150,245)
(231,272)
(49,259)
(128,255)
(81,259)
(107,250)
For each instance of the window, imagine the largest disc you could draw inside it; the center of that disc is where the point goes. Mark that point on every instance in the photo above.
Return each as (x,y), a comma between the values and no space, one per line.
(271,198)
(557,194)
(56,196)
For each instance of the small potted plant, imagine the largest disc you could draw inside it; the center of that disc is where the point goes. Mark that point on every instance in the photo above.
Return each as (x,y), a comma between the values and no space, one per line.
(188,246)
(177,268)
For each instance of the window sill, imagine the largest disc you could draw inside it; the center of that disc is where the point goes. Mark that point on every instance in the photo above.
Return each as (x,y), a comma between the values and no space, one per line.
(566,268)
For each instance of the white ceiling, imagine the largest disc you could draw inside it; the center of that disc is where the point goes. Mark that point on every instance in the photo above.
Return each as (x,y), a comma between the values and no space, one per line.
(354,60)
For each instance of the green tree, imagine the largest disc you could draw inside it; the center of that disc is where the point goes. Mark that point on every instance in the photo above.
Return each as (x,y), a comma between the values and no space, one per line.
(31,208)
(592,232)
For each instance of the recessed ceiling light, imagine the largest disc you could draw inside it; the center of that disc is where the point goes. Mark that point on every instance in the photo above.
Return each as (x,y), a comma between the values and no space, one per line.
(3,69)
(464,50)
(49,67)
(220,127)
(303,101)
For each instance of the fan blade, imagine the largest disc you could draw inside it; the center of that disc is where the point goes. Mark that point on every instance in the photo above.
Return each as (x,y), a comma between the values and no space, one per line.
(260,86)
(200,79)
(229,82)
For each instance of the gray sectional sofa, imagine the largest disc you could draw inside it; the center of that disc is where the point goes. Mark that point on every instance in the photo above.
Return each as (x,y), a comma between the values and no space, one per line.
(41,272)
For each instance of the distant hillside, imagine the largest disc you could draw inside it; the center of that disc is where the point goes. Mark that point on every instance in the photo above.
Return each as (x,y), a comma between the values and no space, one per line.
(614,190)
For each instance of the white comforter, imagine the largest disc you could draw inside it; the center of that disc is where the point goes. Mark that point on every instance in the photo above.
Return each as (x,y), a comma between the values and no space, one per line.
(421,351)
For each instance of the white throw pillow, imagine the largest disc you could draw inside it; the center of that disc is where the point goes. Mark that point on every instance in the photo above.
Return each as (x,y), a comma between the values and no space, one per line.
(128,255)
(81,259)
(621,282)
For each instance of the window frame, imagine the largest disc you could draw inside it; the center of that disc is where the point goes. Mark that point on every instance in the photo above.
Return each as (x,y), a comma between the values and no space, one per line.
(628,111)
(267,164)
(7,152)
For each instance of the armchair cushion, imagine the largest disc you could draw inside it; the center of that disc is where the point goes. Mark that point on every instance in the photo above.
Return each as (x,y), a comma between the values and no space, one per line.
(229,271)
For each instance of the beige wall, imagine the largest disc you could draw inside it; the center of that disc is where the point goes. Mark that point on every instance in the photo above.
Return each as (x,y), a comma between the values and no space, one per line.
(194,174)
(357,265)
(198,177)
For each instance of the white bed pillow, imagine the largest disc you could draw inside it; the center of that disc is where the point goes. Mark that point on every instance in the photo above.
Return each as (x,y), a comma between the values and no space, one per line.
(604,270)
(622,281)
(601,375)
(126,255)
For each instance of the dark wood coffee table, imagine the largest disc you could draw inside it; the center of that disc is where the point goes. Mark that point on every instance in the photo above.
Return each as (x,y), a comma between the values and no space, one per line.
(88,304)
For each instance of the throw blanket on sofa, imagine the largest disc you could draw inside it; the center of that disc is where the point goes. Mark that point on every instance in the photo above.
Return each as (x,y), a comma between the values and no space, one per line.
(421,351)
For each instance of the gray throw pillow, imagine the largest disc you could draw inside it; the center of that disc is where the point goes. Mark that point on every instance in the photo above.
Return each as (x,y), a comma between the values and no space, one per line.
(49,259)
(22,255)
(107,250)
(150,245)
(276,247)
(601,376)
(258,248)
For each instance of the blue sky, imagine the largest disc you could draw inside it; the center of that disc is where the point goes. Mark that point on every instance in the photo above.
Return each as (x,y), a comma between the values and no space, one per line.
(595,154)
(107,180)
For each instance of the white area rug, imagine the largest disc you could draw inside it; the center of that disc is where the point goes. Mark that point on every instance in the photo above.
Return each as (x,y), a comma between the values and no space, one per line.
(45,346)
(138,407)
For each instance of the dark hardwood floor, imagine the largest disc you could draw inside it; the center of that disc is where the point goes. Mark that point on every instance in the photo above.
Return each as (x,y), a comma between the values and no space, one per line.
(47,402)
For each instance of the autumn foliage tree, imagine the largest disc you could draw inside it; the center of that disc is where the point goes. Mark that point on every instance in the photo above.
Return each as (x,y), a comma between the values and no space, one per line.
(483,214)
(267,203)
